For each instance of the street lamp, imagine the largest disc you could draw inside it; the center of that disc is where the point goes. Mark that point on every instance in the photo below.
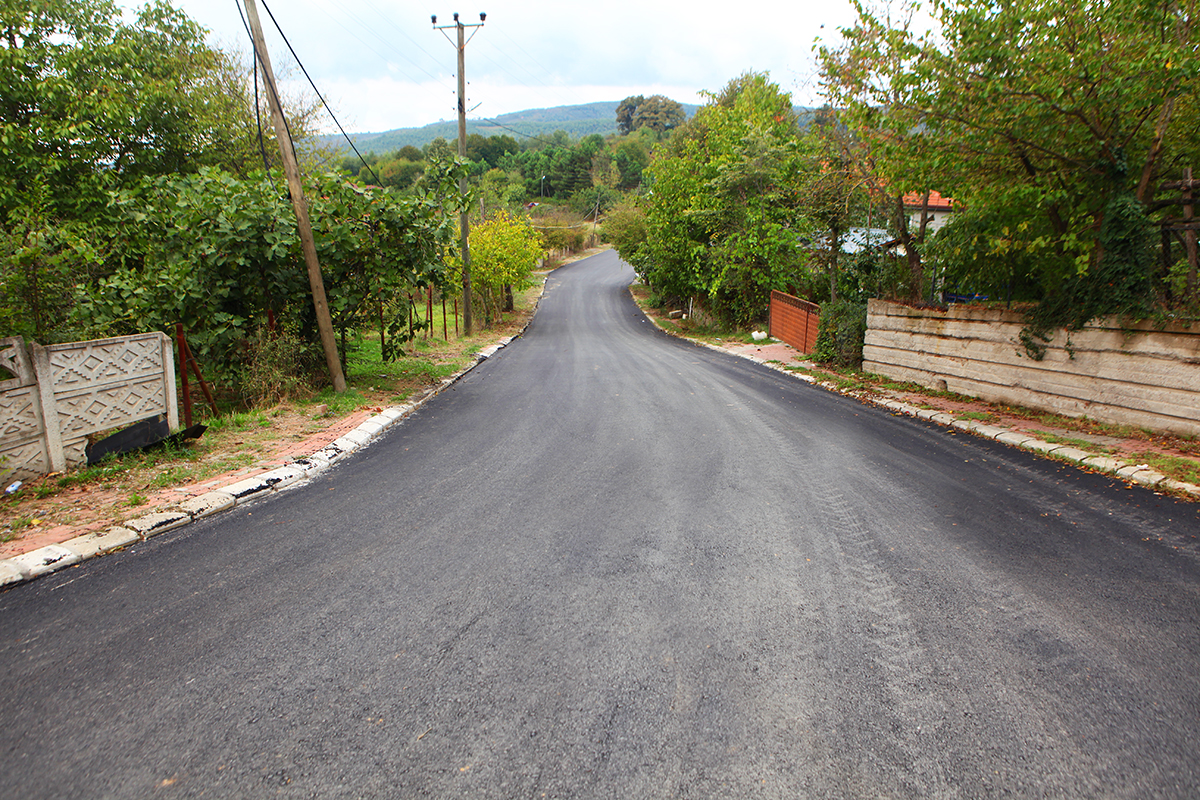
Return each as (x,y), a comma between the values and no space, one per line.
(543,192)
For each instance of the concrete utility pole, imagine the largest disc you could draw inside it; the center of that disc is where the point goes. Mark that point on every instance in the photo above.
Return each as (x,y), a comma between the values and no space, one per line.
(292,170)
(464,223)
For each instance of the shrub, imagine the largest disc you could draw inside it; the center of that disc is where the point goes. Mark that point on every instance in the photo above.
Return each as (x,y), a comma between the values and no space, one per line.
(279,367)
(841,334)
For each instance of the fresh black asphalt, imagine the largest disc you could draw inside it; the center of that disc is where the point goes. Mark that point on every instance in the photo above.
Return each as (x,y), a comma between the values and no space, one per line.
(609,563)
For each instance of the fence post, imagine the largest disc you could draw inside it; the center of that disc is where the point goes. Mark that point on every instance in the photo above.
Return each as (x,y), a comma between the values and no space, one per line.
(49,408)
(170,400)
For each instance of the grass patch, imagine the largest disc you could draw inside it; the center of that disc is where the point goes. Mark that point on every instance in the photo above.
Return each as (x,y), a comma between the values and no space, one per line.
(1177,467)
(1081,444)
(238,421)
(978,416)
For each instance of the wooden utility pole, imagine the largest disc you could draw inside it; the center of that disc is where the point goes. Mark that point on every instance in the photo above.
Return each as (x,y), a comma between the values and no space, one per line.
(296,189)
(463,220)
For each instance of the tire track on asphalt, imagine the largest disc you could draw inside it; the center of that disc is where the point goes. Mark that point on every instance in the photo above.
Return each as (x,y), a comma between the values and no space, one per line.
(871,632)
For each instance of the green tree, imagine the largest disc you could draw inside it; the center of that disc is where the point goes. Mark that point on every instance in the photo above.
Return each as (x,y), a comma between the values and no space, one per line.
(440,149)
(625,113)
(724,219)
(504,250)
(400,173)
(659,114)
(90,104)
(91,101)
(625,228)
(220,255)
(630,159)
(1036,116)
(492,149)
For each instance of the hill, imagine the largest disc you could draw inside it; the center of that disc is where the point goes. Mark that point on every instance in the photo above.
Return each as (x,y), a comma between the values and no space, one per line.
(577,121)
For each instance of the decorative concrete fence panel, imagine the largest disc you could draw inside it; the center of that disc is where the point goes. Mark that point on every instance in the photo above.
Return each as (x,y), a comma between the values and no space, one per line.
(61,394)
(1131,375)
(794,321)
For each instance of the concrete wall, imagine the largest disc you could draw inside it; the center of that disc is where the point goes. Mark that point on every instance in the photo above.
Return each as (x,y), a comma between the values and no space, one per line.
(1138,376)
(61,394)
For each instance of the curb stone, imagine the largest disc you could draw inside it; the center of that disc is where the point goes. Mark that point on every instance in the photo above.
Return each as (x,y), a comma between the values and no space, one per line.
(44,560)
(1135,473)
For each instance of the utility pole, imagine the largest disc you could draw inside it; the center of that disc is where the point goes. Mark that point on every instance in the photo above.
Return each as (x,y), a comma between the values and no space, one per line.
(464,223)
(296,189)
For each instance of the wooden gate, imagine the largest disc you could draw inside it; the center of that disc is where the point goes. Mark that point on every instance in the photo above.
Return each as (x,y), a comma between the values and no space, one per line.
(794,321)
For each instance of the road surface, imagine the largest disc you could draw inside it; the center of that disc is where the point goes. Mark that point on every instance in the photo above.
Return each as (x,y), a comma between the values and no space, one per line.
(609,563)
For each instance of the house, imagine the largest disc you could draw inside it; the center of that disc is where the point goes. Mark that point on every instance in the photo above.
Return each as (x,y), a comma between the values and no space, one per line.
(937,210)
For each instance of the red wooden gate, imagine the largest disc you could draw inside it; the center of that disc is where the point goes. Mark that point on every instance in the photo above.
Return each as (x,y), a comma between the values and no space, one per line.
(794,321)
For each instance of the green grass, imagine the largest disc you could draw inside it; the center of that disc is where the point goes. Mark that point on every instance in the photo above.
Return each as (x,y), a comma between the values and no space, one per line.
(1181,469)
(173,475)
(1081,444)
(341,404)
(978,416)
(239,421)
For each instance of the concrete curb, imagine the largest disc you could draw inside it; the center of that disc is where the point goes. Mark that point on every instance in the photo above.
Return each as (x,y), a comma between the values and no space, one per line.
(53,557)
(1133,473)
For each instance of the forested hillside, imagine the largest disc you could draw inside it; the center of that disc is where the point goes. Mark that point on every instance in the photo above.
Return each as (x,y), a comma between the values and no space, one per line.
(576,121)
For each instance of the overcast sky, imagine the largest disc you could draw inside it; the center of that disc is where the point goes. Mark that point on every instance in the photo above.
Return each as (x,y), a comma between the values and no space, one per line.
(381,65)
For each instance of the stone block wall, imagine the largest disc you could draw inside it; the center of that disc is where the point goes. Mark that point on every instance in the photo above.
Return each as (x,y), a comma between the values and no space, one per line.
(1132,374)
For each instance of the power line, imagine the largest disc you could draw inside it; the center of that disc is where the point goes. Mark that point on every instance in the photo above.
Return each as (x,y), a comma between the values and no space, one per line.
(254,70)
(349,141)
(342,11)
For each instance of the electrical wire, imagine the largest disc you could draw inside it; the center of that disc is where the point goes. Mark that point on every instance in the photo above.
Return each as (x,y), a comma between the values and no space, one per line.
(342,11)
(262,148)
(273,91)
(349,141)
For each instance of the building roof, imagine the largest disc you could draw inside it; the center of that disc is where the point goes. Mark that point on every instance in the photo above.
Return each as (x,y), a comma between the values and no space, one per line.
(936,201)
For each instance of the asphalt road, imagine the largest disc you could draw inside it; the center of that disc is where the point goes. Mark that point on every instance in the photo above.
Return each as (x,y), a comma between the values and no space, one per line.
(609,563)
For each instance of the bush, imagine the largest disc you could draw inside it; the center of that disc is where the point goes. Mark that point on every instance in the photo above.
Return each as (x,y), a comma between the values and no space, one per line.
(279,367)
(840,338)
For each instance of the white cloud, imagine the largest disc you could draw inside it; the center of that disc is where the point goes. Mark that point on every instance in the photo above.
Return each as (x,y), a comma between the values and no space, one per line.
(383,66)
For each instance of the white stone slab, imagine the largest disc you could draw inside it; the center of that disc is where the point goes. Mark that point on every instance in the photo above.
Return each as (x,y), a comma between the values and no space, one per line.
(371,427)
(312,463)
(247,488)
(1014,438)
(1073,453)
(347,444)
(91,545)
(158,522)
(45,559)
(358,436)
(1179,486)
(208,503)
(1104,463)
(283,476)
(990,431)
(10,573)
